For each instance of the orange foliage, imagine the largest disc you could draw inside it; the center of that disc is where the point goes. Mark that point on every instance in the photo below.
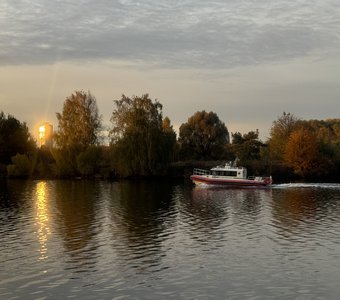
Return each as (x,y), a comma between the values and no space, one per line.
(280,133)
(301,152)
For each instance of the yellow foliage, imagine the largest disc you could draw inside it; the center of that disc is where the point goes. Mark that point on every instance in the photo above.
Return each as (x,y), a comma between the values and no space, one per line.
(301,152)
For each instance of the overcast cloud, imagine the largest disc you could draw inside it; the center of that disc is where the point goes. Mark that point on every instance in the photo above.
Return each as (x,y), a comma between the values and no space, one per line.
(186,33)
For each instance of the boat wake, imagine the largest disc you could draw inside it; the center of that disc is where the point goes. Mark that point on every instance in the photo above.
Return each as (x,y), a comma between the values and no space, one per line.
(306,185)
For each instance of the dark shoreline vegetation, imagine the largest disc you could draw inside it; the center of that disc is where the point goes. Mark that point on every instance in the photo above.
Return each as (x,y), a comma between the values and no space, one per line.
(143,144)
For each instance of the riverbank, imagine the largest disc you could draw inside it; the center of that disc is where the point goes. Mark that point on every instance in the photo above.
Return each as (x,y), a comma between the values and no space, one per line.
(182,170)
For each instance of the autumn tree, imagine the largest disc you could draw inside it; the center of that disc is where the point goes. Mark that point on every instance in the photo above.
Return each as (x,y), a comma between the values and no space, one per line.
(301,152)
(328,140)
(336,142)
(141,141)
(79,125)
(203,137)
(280,133)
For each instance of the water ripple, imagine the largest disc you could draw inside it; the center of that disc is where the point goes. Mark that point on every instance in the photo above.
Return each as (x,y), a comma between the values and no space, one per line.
(138,240)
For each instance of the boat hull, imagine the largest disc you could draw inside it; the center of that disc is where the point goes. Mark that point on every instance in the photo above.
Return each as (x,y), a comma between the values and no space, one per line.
(213,181)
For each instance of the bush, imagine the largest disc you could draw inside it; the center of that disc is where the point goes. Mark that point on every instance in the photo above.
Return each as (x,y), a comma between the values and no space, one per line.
(21,166)
(87,161)
(64,166)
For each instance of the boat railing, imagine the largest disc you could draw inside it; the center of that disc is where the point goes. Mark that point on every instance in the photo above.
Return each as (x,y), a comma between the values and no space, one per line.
(201,172)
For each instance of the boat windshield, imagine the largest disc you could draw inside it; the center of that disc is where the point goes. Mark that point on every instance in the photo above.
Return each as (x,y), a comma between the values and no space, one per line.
(225,173)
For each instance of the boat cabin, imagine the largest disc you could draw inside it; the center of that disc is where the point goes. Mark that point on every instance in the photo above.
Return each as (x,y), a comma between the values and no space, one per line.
(229,171)
(228,175)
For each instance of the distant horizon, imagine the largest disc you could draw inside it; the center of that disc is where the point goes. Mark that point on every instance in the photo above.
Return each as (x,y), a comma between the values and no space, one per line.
(35,131)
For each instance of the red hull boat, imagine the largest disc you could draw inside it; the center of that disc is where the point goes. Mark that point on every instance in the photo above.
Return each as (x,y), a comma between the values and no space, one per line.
(228,175)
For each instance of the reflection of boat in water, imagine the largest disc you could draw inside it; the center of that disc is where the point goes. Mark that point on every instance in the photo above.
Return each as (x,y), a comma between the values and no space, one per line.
(228,175)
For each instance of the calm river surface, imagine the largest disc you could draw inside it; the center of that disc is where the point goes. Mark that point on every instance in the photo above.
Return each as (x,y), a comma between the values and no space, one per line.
(159,240)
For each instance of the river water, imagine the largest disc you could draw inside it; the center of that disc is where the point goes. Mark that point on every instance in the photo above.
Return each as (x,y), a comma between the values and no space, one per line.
(161,240)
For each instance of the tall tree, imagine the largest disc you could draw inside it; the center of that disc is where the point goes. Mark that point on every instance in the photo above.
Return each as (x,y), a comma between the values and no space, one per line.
(301,152)
(328,140)
(247,146)
(280,133)
(14,138)
(169,138)
(79,123)
(137,136)
(203,136)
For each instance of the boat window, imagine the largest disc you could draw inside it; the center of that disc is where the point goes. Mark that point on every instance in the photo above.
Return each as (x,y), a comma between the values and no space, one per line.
(229,173)
(219,173)
(225,173)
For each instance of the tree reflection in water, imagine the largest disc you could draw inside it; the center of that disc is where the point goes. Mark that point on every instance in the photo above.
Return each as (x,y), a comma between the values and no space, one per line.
(142,216)
(75,219)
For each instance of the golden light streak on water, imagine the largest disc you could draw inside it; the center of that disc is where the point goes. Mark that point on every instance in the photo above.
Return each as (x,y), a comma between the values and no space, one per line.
(42,218)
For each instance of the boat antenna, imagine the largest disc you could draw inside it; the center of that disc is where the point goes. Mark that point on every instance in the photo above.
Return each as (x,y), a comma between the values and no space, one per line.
(235,162)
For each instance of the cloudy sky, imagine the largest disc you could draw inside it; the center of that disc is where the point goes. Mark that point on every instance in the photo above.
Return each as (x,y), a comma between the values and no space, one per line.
(248,61)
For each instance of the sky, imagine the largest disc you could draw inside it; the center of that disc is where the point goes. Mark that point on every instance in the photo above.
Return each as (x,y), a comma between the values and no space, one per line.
(248,61)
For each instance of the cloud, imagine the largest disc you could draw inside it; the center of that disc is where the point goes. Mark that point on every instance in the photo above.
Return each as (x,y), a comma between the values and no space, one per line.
(187,33)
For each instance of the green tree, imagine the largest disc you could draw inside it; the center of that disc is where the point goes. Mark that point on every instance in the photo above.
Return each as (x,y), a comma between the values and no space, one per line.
(79,126)
(139,143)
(65,163)
(21,166)
(204,136)
(251,152)
(43,163)
(14,138)
(247,146)
(169,141)
(88,161)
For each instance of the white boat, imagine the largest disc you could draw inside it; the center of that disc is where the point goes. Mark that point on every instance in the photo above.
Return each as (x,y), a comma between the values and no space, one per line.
(228,175)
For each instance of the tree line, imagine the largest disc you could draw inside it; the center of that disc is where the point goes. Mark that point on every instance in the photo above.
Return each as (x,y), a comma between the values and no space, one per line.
(144,143)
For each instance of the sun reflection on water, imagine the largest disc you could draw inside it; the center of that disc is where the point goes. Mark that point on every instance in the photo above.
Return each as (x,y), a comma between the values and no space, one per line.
(42,218)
